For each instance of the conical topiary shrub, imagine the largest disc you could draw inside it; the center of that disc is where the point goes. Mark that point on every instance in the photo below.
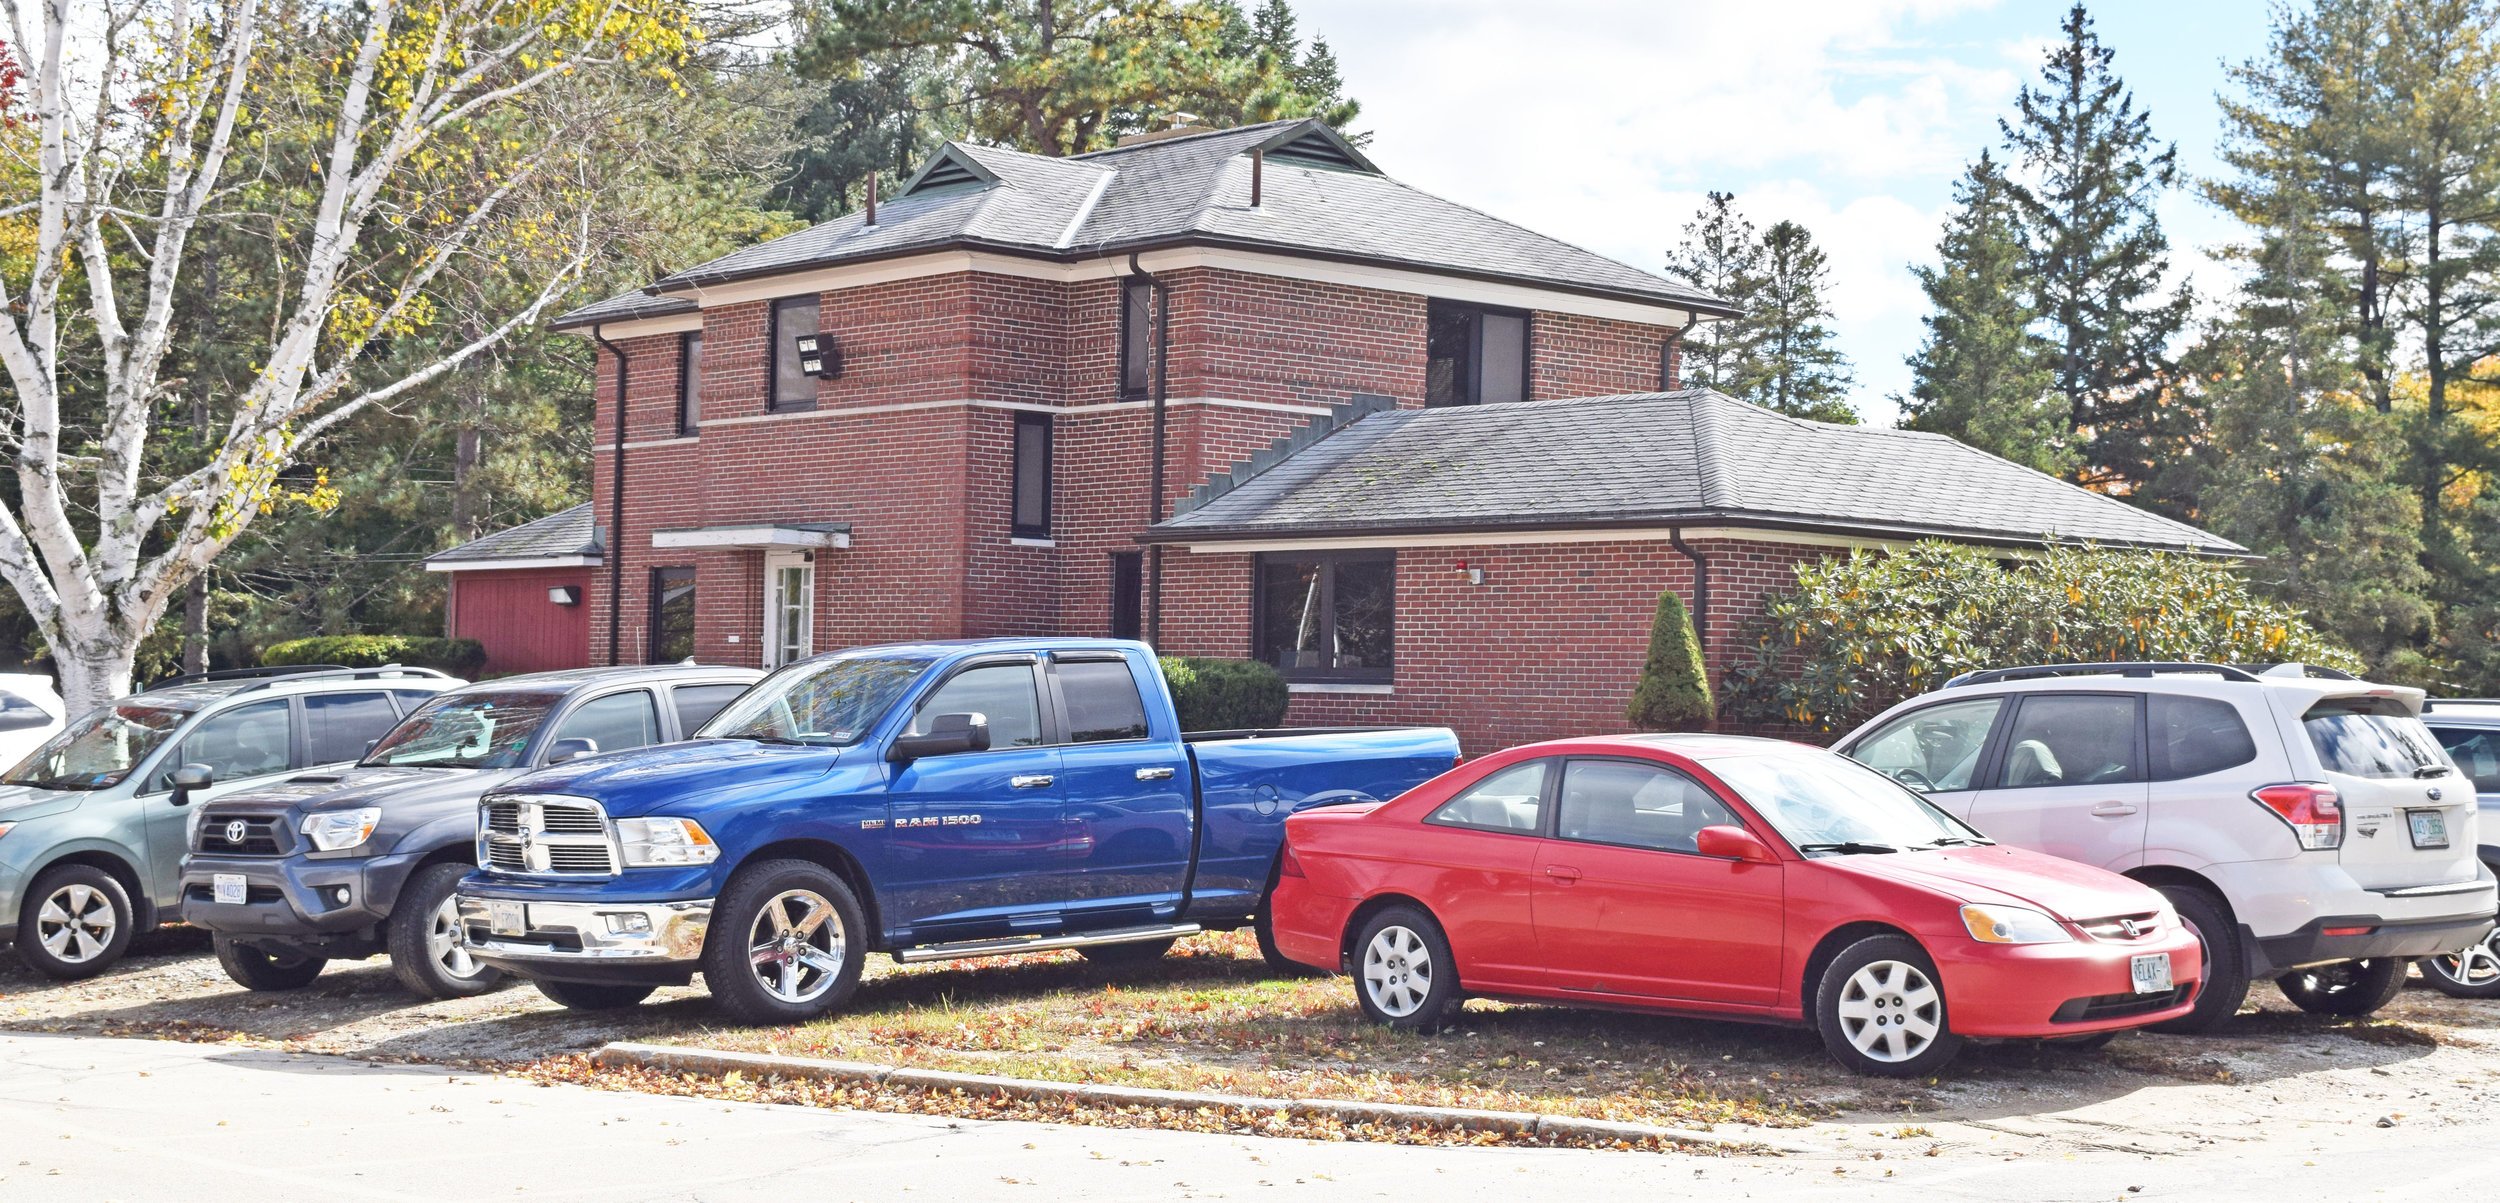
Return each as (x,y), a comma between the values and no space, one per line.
(1674,690)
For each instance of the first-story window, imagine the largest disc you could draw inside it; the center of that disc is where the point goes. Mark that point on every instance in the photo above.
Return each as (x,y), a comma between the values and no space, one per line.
(1030,482)
(672,615)
(1328,616)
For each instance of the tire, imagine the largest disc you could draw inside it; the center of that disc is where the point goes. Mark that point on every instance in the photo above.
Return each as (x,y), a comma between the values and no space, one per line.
(1140,952)
(1404,975)
(263,970)
(1881,1010)
(2473,972)
(795,923)
(428,951)
(75,922)
(2348,989)
(2226,967)
(593,996)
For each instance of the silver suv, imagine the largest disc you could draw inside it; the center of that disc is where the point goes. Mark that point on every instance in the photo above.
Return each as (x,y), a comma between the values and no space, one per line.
(2304,823)
(94,823)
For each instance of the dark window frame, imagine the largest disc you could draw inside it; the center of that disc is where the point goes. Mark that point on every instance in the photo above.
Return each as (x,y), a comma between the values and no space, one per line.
(1045,709)
(1547,795)
(1049,427)
(689,383)
(659,580)
(1553,817)
(1129,334)
(2001,741)
(1471,389)
(1329,561)
(1064,732)
(778,345)
(1128,595)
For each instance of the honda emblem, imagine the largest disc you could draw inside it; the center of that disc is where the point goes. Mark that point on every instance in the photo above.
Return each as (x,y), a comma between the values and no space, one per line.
(2128,926)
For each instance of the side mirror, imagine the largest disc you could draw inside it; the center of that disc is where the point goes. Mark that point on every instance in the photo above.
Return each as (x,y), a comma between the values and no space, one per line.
(947,734)
(188,778)
(1733,843)
(572,749)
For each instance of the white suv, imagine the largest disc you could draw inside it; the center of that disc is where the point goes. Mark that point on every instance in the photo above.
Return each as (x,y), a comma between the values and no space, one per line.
(2304,823)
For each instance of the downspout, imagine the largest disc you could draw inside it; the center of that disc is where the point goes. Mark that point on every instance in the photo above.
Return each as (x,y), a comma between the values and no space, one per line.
(1701,591)
(616,509)
(1162,396)
(1667,352)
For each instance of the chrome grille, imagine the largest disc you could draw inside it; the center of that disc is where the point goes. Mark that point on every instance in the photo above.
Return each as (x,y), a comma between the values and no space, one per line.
(2120,929)
(242,835)
(545,834)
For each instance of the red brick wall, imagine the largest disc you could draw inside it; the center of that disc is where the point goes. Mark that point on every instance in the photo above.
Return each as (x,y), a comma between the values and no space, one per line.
(1574,356)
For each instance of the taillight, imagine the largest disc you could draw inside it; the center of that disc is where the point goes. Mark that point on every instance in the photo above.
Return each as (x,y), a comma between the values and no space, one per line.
(2314,811)
(1286,864)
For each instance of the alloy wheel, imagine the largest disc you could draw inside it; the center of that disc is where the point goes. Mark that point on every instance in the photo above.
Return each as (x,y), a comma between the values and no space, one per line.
(76,923)
(796,946)
(2475,965)
(448,943)
(1397,971)
(1890,1011)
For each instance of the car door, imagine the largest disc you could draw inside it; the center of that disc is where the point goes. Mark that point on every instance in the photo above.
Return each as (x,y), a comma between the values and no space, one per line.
(1626,905)
(2068,779)
(1936,750)
(338,726)
(1472,865)
(1125,794)
(976,839)
(243,746)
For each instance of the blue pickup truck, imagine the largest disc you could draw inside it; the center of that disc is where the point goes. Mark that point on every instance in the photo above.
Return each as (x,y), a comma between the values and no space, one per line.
(932,801)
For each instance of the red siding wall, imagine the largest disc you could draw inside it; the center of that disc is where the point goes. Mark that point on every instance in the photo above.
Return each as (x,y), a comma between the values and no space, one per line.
(508,612)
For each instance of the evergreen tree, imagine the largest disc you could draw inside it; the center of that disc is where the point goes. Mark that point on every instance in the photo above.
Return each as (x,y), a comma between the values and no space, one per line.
(1983,374)
(882,113)
(1793,367)
(2090,175)
(1673,693)
(1722,256)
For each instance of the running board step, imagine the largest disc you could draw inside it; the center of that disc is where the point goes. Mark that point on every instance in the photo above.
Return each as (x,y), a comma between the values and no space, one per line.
(1000,948)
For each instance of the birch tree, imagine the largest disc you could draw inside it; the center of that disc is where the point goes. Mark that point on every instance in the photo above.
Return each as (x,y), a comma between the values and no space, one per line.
(388,154)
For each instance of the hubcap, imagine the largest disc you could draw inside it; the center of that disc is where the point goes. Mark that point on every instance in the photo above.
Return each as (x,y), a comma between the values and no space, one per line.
(1397,971)
(449,944)
(2476,965)
(796,946)
(1890,1011)
(76,923)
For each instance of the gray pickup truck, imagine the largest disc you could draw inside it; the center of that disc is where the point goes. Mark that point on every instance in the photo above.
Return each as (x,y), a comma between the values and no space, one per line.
(346,864)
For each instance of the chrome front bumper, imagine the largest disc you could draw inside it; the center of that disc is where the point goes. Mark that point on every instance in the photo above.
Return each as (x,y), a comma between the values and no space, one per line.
(589,932)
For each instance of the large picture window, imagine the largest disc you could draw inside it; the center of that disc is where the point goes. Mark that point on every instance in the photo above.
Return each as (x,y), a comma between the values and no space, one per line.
(792,388)
(689,381)
(1030,503)
(672,615)
(1328,616)
(1474,355)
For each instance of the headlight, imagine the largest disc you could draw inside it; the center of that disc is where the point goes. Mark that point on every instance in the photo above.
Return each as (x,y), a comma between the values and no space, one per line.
(2012,925)
(332,830)
(4,828)
(665,842)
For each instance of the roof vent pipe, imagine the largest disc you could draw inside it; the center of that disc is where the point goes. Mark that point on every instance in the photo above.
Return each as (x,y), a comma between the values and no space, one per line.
(872,198)
(1258,176)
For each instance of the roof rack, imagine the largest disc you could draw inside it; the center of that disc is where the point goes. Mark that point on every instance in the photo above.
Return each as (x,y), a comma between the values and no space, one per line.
(264,677)
(2121,668)
(245,674)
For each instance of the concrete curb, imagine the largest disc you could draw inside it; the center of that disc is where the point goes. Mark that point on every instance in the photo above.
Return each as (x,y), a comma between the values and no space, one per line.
(676,1059)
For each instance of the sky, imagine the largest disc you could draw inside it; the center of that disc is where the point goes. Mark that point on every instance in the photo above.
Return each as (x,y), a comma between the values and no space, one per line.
(1603,122)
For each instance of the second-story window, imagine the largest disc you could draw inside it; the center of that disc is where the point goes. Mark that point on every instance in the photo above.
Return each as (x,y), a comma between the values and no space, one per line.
(1030,489)
(689,381)
(792,389)
(1137,338)
(1474,355)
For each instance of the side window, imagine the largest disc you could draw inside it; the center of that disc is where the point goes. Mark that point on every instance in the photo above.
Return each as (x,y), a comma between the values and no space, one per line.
(246,741)
(1636,805)
(696,704)
(19,714)
(2196,736)
(410,699)
(1510,800)
(337,726)
(1102,700)
(1934,749)
(615,722)
(1002,692)
(2071,739)
(2477,753)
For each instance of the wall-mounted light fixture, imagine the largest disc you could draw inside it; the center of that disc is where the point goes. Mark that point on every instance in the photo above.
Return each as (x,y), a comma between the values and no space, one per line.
(819,355)
(1473,576)
(565,595)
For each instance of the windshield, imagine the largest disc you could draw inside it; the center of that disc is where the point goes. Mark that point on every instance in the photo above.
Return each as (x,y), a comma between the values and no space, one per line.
(1825,803)
(826,703)
(466,731)
(2372,737)
(99,749)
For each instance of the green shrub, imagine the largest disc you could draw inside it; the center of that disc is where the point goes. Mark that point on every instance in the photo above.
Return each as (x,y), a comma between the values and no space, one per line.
(1224,695)
(1858,634)
(459,657)
(1674,689)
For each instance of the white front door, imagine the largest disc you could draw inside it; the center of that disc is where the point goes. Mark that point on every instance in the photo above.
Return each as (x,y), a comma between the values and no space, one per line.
(789,608)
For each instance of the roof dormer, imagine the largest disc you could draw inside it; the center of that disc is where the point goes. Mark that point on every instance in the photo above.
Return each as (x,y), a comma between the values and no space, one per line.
(949,168)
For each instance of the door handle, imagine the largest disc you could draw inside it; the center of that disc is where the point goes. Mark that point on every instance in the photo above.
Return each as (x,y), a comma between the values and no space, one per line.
(1032,781)
(1562,873)
(2112,810)
(1162,774)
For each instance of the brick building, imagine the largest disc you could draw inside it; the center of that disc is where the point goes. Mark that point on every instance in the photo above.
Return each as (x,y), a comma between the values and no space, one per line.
(989,405)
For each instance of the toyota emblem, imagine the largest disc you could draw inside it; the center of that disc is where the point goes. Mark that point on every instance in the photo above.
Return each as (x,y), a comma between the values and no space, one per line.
(235,831)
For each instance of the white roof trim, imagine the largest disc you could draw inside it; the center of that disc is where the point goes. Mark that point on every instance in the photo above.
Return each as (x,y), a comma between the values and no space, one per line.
(752,536)
(518,562)
(1067,237)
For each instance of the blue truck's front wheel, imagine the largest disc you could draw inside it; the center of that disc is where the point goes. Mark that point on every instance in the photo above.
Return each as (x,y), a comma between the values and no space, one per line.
(787,943)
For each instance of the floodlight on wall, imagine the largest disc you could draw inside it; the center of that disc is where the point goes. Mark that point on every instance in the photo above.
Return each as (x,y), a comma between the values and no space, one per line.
(819,355)
(565,595)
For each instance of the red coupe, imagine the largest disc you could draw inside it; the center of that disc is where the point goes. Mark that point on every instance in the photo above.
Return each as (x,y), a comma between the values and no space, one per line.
(1726,877)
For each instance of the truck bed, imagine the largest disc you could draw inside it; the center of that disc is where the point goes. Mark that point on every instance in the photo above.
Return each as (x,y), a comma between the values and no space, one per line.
(1250,779)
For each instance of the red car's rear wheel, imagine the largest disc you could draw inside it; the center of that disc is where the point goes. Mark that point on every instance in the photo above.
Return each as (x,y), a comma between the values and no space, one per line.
(1403,972)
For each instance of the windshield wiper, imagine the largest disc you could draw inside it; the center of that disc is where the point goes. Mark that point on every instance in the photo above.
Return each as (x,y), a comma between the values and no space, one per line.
(792,740)
(1850,846)
(1958,841)
(2431,770)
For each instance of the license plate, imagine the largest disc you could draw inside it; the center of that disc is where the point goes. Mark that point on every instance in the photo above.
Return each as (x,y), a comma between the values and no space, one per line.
(2152,972)
(229,888)
(508,918)
(2430,828)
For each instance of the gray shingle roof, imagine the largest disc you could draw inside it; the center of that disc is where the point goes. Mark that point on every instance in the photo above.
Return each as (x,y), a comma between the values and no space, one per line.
(1190,190)
(1646,459)
(568,532)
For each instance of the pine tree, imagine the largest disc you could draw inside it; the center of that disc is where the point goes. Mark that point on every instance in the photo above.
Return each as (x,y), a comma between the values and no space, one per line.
(1722,256)
(1983,374)
(1673,693)
(1794,368)
(2090,175)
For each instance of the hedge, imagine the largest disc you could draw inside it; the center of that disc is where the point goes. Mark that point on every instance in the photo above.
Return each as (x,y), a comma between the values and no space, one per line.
(459,657)
(1225,695)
